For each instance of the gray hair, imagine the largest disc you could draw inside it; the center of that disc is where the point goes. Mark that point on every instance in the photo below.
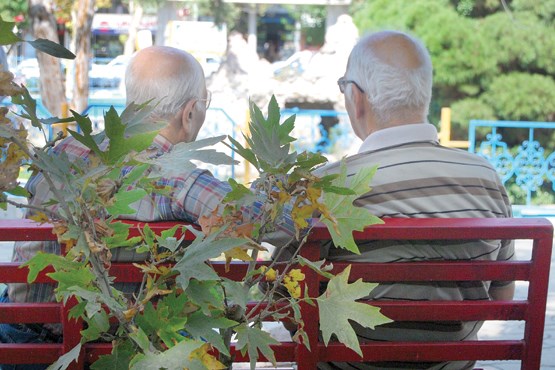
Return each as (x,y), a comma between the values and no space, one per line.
(169,92)
(392,89)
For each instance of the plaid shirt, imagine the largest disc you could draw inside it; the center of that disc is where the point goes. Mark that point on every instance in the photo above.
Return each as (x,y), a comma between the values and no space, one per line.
(194,193)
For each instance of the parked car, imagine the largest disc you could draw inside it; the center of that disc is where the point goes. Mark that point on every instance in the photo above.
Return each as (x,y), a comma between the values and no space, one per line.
(109,75)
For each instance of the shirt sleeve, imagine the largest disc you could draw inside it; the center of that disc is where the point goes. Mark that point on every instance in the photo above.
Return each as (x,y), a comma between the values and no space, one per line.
(201,194)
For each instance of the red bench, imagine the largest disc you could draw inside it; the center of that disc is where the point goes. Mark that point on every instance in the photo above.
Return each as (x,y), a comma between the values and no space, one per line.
(531,310)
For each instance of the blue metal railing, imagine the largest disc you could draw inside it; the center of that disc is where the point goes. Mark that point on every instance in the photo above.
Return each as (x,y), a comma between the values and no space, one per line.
(529,165)
(313,134)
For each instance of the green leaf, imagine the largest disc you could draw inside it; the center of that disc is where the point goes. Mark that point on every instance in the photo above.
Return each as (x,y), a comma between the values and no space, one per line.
(244,152)
(86,138)
(349,217)
(148,235)
(252,339)
(175,358)
(269,141)
(338,305)
(42,260)
(65,360)
(317,266)
(171,243)
(94,300)
(7,37)
(201,327)
(135,119)
(96,325)
(52,48)
(81,276)
(120,145)
(193,263)
(159,321)
(119,359)
(236,292)
(123,199)
(185,153)
(29,105)
(135,174)
(141,339)
(77,311)
(309,160)
(207,295)
(238,192)
(120,237)
(18,191)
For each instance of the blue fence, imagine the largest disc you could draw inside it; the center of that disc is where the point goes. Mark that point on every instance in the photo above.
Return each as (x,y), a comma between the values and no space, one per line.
(315,132)
(529,164)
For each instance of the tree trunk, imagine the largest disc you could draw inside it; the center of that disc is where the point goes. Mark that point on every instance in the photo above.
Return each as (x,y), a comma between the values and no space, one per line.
(82,21)
(43,25)
(137,11)
(167,11)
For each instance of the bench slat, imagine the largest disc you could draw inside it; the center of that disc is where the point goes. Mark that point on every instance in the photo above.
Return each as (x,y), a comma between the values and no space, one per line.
(28,313)
(437,271)
(427,351)
(29,353)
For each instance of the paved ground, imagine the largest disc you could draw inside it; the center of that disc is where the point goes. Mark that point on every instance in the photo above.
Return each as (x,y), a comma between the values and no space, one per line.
(491,330)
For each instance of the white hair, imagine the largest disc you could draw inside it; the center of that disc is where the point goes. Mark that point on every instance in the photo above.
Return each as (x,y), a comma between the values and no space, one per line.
(169,92)
(392,90)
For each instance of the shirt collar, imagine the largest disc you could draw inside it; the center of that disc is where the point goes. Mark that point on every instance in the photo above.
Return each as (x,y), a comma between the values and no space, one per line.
(399,135)
(160,145)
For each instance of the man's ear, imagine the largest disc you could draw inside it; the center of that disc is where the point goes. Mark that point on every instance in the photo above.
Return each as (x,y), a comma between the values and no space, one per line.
(187,113)
(361,103)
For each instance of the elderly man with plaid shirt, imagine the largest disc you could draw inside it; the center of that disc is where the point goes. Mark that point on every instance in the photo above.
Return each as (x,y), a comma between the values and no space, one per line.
(153,72)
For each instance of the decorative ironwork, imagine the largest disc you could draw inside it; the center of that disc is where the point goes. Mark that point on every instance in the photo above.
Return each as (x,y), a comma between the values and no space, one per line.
(528,165)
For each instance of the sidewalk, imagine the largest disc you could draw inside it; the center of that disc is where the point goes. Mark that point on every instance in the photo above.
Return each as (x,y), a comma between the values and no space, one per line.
(508,330)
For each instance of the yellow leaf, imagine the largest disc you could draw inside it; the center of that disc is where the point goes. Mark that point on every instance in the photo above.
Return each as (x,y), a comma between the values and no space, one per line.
(296,275)
(40,217)
(301,213)
(209,361)
(270,274)
(130,313)
(238,253)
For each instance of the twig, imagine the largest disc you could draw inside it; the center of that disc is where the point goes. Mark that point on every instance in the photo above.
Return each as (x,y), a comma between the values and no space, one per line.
(30,206)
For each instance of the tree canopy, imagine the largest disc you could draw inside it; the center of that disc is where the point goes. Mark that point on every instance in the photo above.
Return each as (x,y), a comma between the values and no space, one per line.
(492,60)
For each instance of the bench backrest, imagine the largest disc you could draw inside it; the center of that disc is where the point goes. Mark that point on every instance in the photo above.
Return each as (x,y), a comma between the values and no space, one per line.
(531,310)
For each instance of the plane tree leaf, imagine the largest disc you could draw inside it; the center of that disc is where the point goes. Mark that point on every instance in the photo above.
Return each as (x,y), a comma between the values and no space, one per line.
(348,217)
(193,263)
(337,306)
(201,326)
(252,339)
(65,360)
(185,153)
(177,357)
(119,359)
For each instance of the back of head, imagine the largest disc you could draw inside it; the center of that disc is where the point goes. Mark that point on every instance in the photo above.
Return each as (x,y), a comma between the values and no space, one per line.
(395,71)
(169,77)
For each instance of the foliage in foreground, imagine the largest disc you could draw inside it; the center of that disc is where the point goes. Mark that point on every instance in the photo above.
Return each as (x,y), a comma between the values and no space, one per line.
(183,312)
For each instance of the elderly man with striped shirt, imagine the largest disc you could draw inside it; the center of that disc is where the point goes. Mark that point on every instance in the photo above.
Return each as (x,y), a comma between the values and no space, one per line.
(387,87)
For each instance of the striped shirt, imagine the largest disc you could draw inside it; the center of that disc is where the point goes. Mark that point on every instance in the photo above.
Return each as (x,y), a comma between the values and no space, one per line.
(193,194)
(419,178)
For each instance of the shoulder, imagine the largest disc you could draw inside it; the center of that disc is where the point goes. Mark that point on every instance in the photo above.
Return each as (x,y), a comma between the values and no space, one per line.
(71,147)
